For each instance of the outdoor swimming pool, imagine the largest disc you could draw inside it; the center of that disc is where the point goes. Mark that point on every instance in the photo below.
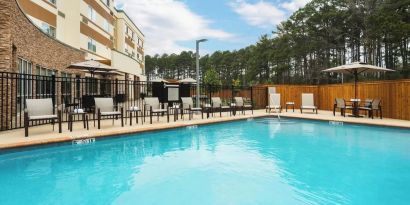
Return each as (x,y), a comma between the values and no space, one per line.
(244,162)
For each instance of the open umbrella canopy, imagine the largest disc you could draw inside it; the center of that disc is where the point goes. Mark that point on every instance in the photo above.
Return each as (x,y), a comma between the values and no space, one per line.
(157,80)
(91,66)
(187,80)
(356,68)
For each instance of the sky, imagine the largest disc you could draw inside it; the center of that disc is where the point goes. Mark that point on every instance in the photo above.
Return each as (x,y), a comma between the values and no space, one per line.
(172,26)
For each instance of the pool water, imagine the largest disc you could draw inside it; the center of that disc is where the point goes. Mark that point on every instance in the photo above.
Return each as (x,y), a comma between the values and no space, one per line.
(261,161)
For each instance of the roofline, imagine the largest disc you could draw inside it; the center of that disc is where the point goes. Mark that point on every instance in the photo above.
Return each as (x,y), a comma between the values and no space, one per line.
(122,11)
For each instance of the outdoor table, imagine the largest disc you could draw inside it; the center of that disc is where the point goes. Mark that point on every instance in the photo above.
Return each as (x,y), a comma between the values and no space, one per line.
(355,105)
(233,108)
(175,109)
(290,104)
(77,112)
(134,110)
(207,108)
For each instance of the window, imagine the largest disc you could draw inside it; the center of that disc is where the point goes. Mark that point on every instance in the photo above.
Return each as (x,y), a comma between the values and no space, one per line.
(106,25)
(91,13)
(51,31)
(91,45)
(126,29)
(106,2)
(25,82)
(66,83)
(52,1)
(43,81)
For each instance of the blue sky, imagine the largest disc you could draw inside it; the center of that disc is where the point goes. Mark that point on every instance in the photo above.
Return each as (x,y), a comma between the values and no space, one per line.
(171,26)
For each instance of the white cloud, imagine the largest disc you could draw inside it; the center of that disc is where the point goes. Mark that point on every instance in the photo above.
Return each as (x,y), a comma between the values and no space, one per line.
(260,14)
(294,5)
(165,23)
(263,14)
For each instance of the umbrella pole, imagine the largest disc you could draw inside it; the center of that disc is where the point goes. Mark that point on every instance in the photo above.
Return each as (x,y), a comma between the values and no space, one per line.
(355,83)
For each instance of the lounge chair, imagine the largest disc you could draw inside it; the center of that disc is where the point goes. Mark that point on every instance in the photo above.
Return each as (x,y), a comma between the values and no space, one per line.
(340,103)
(40,109)
(105,108)
(274,102)
(216,105)
(188,105)
(153,106)
(240,104)
(373,106)
(308,102)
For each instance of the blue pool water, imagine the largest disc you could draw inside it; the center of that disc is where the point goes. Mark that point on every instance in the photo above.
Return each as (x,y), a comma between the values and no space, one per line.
(244,162)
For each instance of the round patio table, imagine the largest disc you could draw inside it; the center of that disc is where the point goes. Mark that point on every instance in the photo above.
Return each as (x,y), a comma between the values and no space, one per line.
(355,104)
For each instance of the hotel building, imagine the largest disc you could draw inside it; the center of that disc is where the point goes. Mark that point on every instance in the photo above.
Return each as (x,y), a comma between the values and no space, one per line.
(94,27)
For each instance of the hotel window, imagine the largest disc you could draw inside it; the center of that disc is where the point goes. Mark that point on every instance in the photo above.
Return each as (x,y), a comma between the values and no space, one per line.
(91,45)
(51,31)
(91,13)
(43,81)
(25,82)
(106,25)
(66,87)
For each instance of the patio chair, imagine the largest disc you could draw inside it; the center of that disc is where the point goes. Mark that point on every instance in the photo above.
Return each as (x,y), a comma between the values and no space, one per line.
(40,109)
(274,102)
(105,108)
(340,103)
(216,105)
(372,107)
(153,106)
(308,102)
(188,105)
(240,104)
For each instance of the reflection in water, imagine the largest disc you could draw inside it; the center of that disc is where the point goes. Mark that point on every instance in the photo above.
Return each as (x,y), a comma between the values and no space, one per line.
(247,162)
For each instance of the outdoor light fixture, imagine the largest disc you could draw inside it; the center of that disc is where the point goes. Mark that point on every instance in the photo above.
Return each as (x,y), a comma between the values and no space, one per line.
(197,70)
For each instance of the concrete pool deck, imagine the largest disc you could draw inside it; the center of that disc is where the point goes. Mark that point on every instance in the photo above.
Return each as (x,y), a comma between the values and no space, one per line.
(44,134)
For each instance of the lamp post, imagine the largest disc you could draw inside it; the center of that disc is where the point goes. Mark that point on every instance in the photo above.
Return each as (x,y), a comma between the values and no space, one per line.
(197,70)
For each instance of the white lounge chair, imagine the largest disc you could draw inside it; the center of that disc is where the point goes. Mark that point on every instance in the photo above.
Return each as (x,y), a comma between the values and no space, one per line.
(40,109)
(240,104)
(216,105)
(105,107)
(188,105)
(153,106)
(274,102)
(308,102)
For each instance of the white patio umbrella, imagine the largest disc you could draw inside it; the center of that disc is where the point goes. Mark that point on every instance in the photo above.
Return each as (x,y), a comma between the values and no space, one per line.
(158,80)
(187,80)
(92,66)
(355,69)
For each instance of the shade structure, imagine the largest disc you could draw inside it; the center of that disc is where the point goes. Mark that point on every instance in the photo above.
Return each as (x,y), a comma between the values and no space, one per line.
(92,66)
(355,69)
(158,80)
(187,80)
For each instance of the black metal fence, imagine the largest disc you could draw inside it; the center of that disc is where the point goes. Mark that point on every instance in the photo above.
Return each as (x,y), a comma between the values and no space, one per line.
(69,93)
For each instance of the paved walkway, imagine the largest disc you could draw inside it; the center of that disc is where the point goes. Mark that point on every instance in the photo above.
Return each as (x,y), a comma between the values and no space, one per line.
(44,134)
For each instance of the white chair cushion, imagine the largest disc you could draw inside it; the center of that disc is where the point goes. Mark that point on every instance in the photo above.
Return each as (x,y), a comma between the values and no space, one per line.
(159,110)
(308,107)
(104,104)
(39,107)
(111,113)
(42,117)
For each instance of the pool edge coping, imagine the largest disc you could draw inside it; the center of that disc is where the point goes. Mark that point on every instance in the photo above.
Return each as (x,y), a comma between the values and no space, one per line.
(168,126)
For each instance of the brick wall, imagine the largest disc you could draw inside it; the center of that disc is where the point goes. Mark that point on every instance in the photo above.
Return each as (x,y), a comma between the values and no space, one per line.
(20,38)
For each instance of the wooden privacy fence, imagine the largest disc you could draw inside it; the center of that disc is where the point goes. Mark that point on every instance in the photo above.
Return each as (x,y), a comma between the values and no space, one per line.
(395,95)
